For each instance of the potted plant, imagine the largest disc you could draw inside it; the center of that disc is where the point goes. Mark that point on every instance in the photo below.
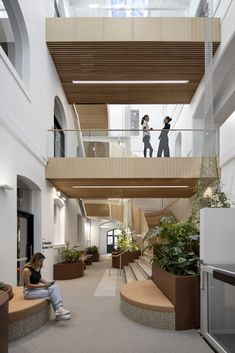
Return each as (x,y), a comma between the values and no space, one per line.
(127,250)
(175,268)
(71,265)
(6,288)
(94,251)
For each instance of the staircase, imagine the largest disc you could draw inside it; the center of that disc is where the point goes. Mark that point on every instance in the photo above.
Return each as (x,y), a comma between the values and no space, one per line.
(139,270)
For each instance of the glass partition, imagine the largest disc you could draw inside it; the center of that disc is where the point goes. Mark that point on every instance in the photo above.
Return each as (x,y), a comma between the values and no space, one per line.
(134,143)
(134,8)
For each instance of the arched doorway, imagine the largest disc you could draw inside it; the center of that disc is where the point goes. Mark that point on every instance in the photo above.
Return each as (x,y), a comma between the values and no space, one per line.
(112,239)
(28,222)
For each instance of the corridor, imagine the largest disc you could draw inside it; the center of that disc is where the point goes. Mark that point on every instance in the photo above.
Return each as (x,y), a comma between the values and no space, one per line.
(98,326)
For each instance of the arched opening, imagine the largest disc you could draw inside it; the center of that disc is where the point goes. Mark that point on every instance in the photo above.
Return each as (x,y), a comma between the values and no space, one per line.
(28,222)
(14,38)
(178,145)
(59,125)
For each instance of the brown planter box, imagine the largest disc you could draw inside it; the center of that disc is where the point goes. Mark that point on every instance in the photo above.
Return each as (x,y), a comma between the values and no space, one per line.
(88,261)
(96,257)
(184,293)
(64,270)
(124,259)
(8,289)
(4,322)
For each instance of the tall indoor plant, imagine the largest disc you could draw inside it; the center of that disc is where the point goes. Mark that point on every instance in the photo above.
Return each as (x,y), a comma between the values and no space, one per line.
(175,268)
(127,250)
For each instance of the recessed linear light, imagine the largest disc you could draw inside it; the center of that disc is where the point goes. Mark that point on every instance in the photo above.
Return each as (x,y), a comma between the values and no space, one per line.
(148,82)
(129,187)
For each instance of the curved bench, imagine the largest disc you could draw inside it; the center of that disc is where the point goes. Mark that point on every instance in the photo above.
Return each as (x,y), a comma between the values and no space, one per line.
(26,316)
(143,302)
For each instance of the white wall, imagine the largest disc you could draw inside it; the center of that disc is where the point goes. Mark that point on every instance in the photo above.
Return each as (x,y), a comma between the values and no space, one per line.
(26,112)
(227,157)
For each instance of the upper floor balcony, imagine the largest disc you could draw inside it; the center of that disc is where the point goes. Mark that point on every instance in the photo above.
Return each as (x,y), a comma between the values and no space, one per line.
(111,163)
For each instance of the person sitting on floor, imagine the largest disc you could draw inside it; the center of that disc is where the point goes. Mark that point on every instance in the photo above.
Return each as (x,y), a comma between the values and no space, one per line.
(35,287)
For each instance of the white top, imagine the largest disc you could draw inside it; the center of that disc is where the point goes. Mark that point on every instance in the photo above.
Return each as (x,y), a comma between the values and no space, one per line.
(145,128)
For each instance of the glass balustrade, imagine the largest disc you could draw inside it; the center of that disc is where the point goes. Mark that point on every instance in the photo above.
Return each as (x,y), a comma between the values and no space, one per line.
(130,8)
(131,143)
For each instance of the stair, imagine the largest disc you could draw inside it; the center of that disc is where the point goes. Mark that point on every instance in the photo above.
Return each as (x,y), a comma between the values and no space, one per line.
(138,270)
(130,277)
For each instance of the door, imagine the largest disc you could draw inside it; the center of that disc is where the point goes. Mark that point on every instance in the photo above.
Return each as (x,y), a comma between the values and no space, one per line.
(112,239)
(25,241)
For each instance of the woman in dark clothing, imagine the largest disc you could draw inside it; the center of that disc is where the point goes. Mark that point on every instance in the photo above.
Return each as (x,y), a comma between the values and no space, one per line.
(35,287)
(146,136)
(163,144)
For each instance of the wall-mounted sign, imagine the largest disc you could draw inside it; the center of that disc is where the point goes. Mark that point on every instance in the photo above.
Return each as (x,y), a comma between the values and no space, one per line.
(46,244)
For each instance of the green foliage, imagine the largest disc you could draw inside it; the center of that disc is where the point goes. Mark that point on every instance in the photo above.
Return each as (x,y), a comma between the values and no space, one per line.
(2,285)
(125,241)
(92,250)
(68,254)
(175,246)
(208,196)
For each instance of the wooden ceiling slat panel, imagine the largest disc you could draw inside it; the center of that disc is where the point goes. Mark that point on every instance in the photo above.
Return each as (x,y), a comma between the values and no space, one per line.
(122,61)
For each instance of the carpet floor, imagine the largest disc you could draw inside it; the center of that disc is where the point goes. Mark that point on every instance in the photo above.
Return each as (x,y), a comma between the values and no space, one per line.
(98,326)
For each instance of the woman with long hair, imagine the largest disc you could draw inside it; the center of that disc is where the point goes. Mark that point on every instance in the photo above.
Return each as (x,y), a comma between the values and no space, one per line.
(163,137)
(146,136)
(35,287)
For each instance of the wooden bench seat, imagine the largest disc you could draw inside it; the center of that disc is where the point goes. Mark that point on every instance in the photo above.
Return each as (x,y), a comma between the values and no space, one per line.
(26,315)
(143,302)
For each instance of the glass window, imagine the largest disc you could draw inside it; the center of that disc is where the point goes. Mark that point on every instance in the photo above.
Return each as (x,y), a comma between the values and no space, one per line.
(59,140)
(110,240)
(134,122)
(7,40)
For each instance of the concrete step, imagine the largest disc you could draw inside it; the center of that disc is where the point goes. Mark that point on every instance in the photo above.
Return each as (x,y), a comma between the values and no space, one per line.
(137,272)
(129,274)
(144,267)
(146,260)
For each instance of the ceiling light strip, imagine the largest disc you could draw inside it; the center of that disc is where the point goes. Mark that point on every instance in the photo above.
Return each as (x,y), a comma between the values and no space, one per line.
(136,82)
(130,187)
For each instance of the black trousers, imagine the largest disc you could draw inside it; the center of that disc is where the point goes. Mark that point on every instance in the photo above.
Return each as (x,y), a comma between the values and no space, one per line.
(163,147)
(147,145)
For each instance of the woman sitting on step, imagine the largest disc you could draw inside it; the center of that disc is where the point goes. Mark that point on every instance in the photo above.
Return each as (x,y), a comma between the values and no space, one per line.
(35,287)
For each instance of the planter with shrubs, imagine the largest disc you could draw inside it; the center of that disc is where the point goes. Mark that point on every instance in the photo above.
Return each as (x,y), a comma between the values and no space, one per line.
(71,265)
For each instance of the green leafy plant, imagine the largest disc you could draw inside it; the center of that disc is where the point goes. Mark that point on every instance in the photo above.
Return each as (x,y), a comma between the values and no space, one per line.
(69,254)
(175,246)
(2,286)
(125,241)
(92,250)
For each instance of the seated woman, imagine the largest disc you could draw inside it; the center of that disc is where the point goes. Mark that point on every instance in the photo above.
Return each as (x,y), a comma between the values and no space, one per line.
(35,287)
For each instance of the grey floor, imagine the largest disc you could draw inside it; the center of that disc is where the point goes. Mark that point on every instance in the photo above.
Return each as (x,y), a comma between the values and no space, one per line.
(98,326)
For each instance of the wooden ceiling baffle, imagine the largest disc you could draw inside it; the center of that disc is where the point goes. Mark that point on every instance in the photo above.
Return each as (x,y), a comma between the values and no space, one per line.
(129,49)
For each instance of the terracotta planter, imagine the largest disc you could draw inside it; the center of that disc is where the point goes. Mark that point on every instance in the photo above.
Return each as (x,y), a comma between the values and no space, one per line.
(124,259)
(88,261)
(4,322)
(96,257)
(184,293)
(64,270)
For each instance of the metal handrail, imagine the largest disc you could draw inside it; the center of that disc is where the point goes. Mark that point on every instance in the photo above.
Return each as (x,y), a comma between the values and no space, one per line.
(122,252)
(123,130)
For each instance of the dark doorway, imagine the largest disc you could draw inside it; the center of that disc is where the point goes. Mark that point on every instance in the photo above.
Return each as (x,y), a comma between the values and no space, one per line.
(25,241)
(59,140)
(112,238)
